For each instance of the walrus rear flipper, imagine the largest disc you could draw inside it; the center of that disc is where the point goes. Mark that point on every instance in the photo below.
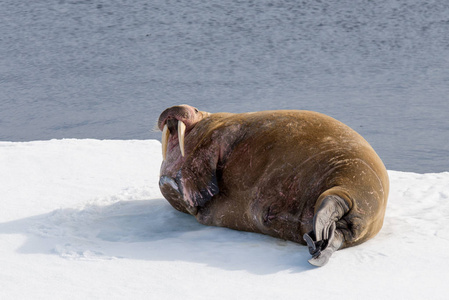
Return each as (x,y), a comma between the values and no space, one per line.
(322,250)
(325,239)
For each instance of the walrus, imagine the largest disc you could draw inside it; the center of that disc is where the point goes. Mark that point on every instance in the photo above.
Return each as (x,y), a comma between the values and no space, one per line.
(297,175)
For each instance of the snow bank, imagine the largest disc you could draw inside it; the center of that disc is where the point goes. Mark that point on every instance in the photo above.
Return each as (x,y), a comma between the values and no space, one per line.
(85,219)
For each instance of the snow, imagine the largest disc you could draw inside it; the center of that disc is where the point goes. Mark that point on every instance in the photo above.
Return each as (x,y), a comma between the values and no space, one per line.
(84,219)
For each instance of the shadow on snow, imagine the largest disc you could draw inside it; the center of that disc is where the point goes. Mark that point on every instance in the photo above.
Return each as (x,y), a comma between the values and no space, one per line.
(152,230)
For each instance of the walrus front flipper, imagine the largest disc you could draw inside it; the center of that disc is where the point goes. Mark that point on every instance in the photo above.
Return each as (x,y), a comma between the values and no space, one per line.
(197,193)
(325,239)
(170,189)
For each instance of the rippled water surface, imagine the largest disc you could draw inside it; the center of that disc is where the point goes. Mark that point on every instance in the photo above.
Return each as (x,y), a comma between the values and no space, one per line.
(107,69)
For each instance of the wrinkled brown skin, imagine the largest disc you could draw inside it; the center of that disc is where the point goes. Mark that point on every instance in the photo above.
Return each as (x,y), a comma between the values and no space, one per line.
(273,169)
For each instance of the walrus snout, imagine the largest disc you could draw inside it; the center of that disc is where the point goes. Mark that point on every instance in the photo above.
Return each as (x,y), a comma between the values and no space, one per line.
(184,113)
(181,117)
(166,136)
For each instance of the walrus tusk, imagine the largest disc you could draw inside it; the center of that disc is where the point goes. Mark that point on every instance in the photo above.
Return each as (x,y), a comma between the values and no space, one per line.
(165,135)
(181,134)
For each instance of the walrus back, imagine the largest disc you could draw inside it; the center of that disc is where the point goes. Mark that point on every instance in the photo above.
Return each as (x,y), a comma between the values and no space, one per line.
(293,157)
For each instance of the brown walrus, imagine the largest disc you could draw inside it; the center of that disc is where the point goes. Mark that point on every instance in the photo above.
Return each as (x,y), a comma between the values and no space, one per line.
(296,175)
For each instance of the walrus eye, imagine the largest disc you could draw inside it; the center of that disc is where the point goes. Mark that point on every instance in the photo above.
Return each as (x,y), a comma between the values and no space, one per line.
(196,110)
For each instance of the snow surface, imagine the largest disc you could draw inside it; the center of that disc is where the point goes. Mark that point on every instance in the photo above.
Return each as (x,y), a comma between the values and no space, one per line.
(84,219)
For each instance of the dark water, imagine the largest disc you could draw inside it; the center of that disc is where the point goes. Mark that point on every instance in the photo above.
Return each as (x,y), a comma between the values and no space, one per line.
(106,69)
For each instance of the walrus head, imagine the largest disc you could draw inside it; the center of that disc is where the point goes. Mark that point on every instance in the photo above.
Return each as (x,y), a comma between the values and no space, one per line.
(175,122)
